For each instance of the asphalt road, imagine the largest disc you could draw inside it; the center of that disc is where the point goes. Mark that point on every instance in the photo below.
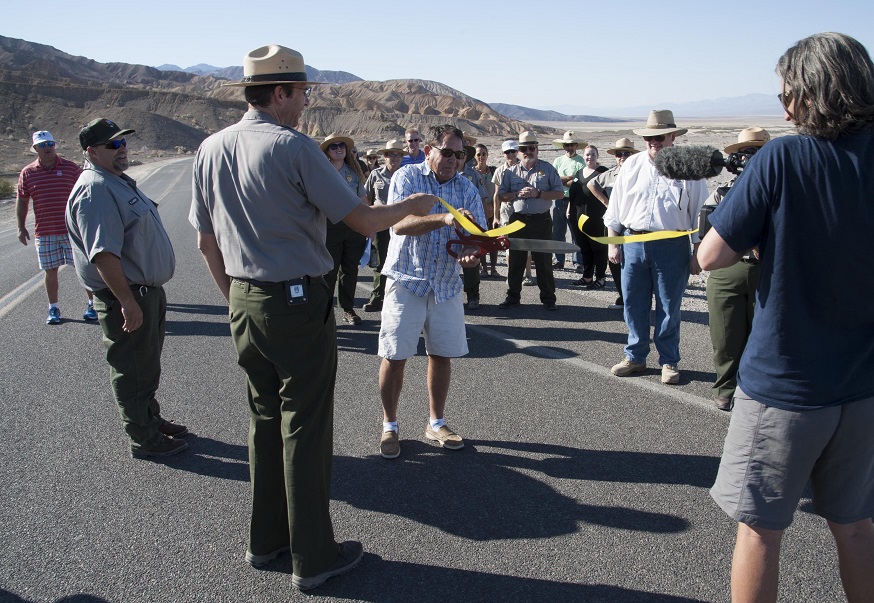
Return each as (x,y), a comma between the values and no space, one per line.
(574,485)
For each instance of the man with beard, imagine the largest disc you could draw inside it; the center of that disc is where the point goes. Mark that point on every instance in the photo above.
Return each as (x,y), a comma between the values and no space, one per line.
(644,201)
(123,255)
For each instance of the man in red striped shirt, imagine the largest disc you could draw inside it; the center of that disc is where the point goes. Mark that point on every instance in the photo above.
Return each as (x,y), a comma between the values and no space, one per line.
(48,181)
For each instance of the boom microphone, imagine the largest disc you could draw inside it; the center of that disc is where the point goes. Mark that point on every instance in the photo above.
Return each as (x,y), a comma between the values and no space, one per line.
(689,162)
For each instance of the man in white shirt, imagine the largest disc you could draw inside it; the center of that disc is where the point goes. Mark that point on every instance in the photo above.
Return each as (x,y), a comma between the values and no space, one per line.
(644,201)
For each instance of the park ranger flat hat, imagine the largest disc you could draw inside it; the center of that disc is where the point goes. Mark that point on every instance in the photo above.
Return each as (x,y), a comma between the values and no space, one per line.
(393,145)
(623,144)
(273,64)
(568,137)
(749,137)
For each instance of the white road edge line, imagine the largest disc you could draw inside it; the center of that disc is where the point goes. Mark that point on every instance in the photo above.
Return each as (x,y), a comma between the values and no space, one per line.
(9,301)
(538,349)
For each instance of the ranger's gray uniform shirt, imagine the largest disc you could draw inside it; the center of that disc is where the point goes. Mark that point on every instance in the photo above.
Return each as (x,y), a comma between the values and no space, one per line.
(541,176)
(377,186)
(109,213)
(264,190)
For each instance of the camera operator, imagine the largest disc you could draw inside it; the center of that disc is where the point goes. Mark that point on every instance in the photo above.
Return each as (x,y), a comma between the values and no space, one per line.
(804,405)
(731,291)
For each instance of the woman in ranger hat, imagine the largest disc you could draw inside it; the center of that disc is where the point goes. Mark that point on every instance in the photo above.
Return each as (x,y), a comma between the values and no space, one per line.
(346,245)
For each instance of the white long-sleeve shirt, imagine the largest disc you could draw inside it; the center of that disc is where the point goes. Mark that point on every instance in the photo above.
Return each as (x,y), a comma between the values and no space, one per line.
(644,200)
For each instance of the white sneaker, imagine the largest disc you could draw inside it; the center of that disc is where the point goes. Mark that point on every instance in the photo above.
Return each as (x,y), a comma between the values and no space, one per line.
(670,374)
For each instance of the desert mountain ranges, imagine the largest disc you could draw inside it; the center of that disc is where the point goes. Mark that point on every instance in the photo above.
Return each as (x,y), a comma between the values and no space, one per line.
(43,88)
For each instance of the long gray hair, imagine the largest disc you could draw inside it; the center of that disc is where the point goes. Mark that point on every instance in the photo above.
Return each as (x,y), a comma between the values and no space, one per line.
(831,79)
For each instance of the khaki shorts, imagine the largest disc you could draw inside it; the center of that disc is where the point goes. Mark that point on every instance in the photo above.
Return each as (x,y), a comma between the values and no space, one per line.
(405,316)
(771,454)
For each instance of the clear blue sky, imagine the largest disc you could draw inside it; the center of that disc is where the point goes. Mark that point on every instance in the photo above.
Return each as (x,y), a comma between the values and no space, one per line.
(537,54)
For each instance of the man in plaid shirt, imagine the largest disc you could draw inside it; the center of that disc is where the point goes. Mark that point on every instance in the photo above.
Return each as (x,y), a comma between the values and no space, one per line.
(423,287)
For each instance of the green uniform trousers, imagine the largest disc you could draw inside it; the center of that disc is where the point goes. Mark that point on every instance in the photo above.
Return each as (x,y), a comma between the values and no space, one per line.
(289,353)
(731,298)
(135,360)
(346,248)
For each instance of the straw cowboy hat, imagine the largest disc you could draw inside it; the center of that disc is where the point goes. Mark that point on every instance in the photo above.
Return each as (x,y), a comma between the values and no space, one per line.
(469,141)
(273,64)
(371,153)
(660,122)
(393,145)
(623,144)
(528,137)
(569,137)
(750,137)
(332,138)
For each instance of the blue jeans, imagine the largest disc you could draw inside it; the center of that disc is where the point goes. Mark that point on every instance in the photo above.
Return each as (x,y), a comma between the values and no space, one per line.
(560,228)
(660,267)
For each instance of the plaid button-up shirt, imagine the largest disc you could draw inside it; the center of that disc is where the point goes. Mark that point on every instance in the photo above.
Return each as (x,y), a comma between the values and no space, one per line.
(420,263)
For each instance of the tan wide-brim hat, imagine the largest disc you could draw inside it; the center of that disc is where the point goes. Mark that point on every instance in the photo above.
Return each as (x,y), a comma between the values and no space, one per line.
(273,64)
(623,144)
(528,137)
(568,137)
(469,141)
(749,137)
(371,153)
(660,122)
(332,138)
(393,145)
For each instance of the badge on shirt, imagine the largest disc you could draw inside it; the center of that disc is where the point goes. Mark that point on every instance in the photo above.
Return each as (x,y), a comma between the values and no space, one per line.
(349,178)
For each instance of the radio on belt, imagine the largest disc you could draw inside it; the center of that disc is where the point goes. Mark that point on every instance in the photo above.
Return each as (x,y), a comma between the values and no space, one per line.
(296,291)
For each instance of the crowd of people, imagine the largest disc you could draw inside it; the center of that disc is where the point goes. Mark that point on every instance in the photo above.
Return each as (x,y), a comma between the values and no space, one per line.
(282,220)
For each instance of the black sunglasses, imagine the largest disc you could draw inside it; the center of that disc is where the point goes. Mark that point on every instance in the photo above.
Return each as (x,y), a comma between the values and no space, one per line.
(528,149)
(48,144)
(659,138)
(449,153)
(114,145)
(336,145)
(621,154)
(510,151)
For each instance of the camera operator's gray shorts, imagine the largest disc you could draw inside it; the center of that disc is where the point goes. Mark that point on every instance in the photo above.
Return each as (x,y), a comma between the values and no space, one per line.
(770,454)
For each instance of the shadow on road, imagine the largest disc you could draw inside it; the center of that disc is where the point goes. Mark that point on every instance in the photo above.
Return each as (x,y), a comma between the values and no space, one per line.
(476,494)
(622,466)
(389,581)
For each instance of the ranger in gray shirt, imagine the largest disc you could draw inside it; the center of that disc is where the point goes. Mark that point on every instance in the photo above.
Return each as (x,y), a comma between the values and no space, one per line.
(261,194)
(531,186)
(123,254)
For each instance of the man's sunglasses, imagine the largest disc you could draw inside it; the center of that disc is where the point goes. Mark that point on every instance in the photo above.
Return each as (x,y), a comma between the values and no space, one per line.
(414,140)
(449,153)
(659,138)
(45,145)
(510,151)
(336,145)
(622,154)
(114,145)
(528,149)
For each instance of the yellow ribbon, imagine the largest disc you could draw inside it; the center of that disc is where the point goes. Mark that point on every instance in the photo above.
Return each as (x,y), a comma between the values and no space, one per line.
(474,229)
(641,238)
